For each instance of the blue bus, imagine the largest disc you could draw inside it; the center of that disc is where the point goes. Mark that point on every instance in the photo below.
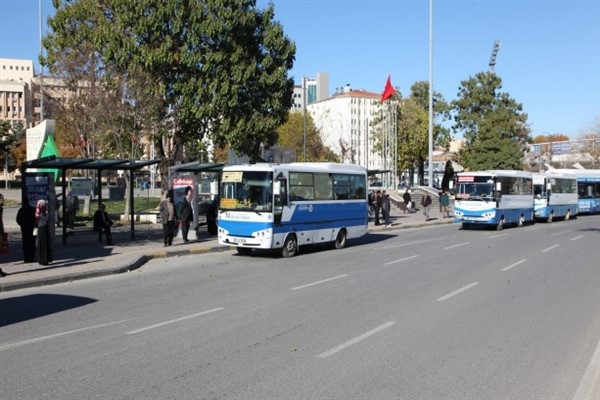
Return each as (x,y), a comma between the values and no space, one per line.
(493,198)
(555,196)
(286,206)
(588,188)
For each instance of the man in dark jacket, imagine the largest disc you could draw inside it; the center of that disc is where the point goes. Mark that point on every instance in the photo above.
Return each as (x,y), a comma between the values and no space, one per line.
(26,220)
(407,201)
(186,215)
(102,224)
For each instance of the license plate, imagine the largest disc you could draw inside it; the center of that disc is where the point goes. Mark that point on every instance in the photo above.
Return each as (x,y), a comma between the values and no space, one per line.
(239,240)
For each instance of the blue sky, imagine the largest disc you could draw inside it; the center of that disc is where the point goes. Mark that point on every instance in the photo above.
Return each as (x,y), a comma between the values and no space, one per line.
(549,60)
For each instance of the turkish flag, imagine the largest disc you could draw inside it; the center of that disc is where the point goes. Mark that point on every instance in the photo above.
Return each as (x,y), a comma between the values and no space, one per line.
(388,91)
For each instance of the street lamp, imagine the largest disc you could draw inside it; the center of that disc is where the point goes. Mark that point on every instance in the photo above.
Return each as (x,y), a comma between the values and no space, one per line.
(304,112)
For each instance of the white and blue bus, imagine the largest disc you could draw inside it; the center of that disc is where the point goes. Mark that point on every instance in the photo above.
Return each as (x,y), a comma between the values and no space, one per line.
(588,188)
(555,196)
(493,198)
(286,206)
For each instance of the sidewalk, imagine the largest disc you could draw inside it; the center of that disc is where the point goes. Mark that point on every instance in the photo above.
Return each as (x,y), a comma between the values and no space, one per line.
(84,257)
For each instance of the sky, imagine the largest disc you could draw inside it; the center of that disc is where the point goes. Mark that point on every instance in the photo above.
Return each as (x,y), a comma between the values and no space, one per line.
(549,59)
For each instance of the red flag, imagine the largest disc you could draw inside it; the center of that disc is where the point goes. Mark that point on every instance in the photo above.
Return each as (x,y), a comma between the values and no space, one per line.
(388,91)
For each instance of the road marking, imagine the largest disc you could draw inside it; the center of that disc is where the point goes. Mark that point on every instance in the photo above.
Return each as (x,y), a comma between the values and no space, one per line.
(469,286)
(498,235)
(319,282)
(402,259)
(577,237)
(590,379)
(456,245)
(513,265)
(550,248)
(174,320)
(408,244)
(561,233)
(41,339)
(355,340)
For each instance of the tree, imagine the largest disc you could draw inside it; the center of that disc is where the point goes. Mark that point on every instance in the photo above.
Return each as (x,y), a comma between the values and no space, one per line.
(493,125)
(10,135)
(220,67)
(291,134)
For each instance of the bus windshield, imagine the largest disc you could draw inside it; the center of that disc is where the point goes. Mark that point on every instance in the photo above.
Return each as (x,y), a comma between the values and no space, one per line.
(475,191)
(246,191)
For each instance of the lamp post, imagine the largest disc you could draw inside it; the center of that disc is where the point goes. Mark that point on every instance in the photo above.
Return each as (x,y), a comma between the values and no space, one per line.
(430,93)
(304,112)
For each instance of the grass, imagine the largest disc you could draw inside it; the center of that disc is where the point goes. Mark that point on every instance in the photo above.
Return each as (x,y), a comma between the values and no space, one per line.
(117,207)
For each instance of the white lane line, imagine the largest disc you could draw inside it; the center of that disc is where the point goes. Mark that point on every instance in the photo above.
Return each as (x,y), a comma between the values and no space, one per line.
(355,340)
(462,289)
(561,233)
(407,244)
(174,320)
(513,265)
(590,379)
(577,237)
(456,245)
(319,282)
(498,235)
(402,259)
(550,248)
(41,339)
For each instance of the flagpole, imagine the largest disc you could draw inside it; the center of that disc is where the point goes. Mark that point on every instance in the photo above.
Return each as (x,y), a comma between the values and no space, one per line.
(430,167)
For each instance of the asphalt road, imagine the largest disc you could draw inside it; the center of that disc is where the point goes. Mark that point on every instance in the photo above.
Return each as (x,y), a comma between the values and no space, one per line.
(431,313)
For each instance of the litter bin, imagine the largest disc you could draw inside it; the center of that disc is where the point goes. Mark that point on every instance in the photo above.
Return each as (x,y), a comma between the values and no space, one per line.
(116,193)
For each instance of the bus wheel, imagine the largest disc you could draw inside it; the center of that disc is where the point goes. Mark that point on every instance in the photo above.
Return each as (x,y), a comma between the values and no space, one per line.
(243,251)
(550,217)
(340,241)
(568,215)
(500,224)
(521,221)
(465,226)
(289,247)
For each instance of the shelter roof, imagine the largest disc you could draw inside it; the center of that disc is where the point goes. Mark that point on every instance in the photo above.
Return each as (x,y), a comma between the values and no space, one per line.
(86,163)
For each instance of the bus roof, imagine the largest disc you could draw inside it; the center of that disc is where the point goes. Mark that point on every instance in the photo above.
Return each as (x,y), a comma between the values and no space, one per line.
(578,173)
(300,166)
(497,172)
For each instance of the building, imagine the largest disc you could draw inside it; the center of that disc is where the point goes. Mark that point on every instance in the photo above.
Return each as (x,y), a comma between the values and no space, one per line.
(345,121)
(315,89)
(18,101)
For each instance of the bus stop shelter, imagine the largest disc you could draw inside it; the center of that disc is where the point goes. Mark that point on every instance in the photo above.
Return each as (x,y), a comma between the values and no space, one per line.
(63,164)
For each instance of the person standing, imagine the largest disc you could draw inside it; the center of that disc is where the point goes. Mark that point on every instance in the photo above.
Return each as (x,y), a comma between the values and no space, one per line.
(377,205)
(2,273)
(42,223)
(445,203)
(26,220)
(385,208)
(168,216)
(407,201)
(426,203)
(187,216)
(102,224)
(72,208)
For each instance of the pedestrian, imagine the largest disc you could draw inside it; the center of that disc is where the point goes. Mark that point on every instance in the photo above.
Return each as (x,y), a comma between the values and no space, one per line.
(385,208)
(26,220)
(445,203)
(102,224)
(42,231)
(407,201)
(426,203)
(377,205)
(186,215)
(370,200)
(2,273)
(168,215)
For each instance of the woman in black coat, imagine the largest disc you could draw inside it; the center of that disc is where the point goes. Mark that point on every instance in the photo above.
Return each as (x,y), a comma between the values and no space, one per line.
(44,242)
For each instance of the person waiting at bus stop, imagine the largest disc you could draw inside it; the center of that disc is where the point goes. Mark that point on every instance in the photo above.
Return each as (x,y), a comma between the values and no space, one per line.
(102,224)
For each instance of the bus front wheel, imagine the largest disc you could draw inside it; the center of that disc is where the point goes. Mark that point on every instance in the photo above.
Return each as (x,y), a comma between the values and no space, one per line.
(568,216)
(290,246)
(340,241)
(550,218)
(500,224)
(465,225)
(521,221)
